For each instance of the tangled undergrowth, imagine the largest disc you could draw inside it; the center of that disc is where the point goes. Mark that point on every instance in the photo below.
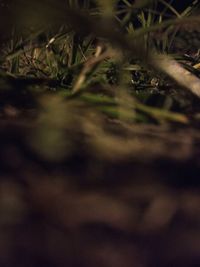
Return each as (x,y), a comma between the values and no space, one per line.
(109,49)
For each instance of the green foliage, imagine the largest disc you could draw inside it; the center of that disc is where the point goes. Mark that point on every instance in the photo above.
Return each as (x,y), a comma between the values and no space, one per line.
(87,45)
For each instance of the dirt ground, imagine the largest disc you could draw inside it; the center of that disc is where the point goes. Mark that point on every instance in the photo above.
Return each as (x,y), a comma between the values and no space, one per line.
(141,209)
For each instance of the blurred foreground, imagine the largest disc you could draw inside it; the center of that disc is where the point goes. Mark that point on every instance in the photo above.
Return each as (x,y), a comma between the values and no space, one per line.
(88,191)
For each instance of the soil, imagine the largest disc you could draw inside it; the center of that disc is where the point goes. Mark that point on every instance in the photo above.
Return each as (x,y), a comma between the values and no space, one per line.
(94,208)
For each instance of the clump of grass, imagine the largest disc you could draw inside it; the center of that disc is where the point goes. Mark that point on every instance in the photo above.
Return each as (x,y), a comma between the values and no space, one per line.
(98,46)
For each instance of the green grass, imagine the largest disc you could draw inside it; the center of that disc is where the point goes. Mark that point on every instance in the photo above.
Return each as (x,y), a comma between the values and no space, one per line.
(97,46)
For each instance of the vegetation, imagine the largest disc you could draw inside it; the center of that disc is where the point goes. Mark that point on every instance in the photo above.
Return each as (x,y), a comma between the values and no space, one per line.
(99,136)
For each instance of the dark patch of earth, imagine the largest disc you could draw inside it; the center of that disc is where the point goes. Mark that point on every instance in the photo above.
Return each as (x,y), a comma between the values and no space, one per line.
(142,209)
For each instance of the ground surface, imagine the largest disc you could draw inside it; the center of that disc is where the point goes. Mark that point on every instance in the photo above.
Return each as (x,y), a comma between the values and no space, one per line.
(135,208)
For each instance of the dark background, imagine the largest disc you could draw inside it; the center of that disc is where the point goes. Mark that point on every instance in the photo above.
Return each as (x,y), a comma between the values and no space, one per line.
(11,10)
